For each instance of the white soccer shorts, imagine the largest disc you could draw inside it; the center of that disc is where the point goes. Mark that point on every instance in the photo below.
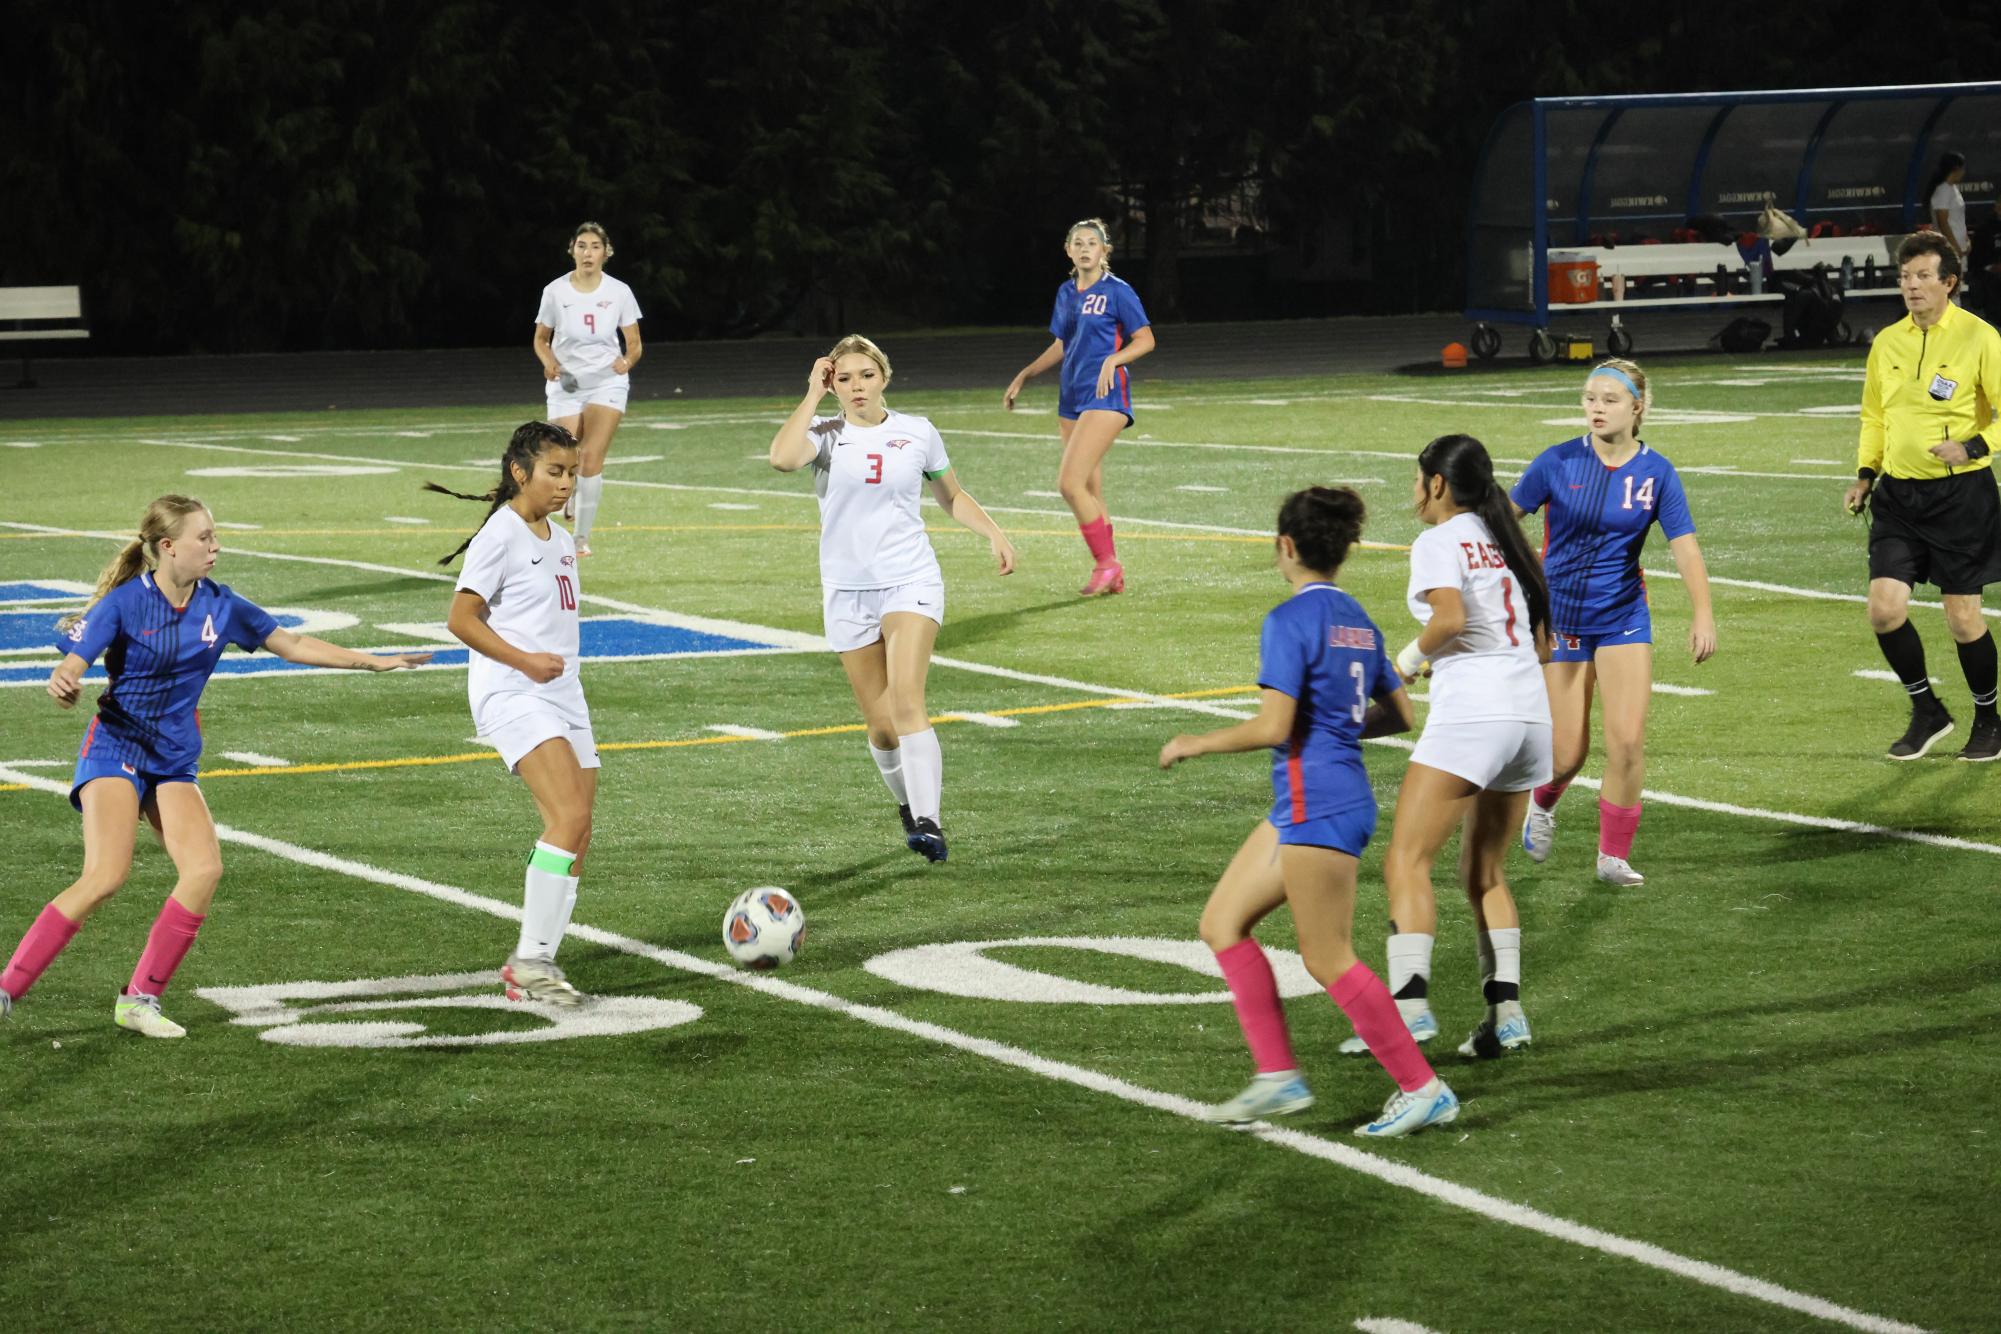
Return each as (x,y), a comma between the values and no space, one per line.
(518,722)
(1499,755)
(570,402)
(854,615)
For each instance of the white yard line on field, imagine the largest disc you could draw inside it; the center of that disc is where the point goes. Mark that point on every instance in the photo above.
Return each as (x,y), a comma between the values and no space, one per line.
(1385,1170)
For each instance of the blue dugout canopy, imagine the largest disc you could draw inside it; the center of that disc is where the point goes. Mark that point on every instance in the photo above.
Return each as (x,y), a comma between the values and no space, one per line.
(1571,171)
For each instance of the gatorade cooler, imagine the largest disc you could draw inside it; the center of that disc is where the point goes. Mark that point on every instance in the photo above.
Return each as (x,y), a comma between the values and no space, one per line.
(1573,279)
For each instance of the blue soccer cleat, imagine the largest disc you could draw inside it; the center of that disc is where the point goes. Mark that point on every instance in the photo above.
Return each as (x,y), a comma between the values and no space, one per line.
(1408,1113)
(927,839)
(1505,1029)
(1279,1094)
(1423,1028)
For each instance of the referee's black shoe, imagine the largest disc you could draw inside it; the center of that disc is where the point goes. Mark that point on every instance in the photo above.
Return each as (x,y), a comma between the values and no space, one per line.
(1985,741)
(1928,727)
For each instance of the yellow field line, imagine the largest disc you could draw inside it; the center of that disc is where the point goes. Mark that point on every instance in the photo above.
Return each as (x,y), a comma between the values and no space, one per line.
(469,757)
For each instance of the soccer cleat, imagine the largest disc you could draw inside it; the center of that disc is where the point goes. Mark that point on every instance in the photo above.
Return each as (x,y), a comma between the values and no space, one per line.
(1423,1028)
(1504,1030)
(1538,832)
(538,980)
(1615,871)
(927,838)
(1408,1113)
(909,822)
(141,1013)
(1266,1095)
(1105,579)
(583,550)
(1927,727)
(1984,743)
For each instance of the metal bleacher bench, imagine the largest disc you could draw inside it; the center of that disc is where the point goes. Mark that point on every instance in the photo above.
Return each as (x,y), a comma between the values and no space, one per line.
(34,314)
(1701,261)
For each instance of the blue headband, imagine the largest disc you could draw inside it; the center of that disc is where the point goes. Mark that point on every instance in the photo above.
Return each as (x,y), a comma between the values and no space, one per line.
(1614,373)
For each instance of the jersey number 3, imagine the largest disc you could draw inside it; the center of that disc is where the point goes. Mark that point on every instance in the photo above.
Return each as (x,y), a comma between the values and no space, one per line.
(874,477)
(1645,495)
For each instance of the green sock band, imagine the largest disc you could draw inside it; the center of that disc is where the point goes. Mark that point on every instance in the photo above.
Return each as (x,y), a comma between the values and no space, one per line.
(553,860)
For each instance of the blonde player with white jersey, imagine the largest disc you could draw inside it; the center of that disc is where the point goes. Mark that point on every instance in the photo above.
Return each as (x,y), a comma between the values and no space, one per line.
(516,609)
(583,316)
(1477,588)
(884,593)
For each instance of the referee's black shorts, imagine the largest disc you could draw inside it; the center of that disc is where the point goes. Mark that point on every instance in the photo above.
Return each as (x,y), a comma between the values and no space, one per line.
(1936,530)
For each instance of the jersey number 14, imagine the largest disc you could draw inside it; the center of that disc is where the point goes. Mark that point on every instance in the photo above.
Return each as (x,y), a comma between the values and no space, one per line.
(1645,495)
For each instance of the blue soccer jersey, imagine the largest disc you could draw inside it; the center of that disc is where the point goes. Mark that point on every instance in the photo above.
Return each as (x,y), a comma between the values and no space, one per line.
(1093,324)
(159,657)
(1322,649)
(1596,522)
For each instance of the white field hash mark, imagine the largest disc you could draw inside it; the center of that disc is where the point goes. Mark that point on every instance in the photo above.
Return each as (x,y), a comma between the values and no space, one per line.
(1382,1169)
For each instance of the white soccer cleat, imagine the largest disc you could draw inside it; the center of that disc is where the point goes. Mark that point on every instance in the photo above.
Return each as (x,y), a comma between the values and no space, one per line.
(1538,832)
(1267,1095)
(1505,1029)
(1408,1113)
(538,980)
(6,1005)
(1423,1028)
(1615,871)
(141,1014)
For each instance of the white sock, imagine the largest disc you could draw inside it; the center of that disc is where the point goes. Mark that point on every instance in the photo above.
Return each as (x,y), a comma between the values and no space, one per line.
(923,773)
(1409,957)
(590,490)
(547,899)
(1506,945)
(890,762)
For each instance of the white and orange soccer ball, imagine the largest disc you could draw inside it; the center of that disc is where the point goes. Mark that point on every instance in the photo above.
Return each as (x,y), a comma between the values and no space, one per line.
(764,927)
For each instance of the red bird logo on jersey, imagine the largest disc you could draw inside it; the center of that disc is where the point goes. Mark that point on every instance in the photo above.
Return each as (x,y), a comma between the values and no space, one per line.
(569,560)
(898,444)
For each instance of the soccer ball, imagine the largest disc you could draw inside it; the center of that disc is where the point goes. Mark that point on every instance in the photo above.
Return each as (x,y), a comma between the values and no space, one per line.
(764,927)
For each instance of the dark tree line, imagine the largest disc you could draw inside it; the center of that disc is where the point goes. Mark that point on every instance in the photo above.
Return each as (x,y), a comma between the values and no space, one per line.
(360,173)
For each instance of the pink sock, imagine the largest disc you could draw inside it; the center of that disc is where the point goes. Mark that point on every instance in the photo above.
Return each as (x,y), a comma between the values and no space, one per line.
(166,945)
(1366,1001)
(1254,991)
(1546,796)
(1616,827)
(1098,537)
(38,949)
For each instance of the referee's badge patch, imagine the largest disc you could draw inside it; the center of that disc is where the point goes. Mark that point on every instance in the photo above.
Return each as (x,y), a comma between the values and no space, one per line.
(1942,388)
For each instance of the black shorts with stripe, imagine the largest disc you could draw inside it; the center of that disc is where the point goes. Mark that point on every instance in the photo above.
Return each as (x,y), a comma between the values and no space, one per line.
(1936,530)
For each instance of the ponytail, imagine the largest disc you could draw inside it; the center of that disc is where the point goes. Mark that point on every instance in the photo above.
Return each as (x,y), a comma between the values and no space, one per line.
(528,443)
(1469,475)
(162,520)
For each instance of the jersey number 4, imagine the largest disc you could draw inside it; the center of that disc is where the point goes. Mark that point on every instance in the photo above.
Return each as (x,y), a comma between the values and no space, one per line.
(1645,495)
(208,634)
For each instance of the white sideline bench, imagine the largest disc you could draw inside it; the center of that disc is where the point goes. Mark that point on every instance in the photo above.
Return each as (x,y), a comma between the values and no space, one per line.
(1700,260)
(35,314)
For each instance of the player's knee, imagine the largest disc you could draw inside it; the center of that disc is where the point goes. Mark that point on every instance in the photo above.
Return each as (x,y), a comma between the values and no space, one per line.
(1966,626)
(1886,615)
(99,883)
(202,874)
(1074,489)
(1220,930)
(908,717)
(1327,961)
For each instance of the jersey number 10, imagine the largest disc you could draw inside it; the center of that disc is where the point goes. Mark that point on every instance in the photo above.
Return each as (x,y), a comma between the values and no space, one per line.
(566,593)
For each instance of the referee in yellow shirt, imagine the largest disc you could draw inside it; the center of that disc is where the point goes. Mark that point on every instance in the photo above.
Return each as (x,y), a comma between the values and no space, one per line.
(1924,473)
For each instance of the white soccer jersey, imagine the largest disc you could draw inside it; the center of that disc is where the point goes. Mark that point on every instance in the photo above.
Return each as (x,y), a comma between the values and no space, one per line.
(870,481)
(530,587)
(587,325)
(1489,670)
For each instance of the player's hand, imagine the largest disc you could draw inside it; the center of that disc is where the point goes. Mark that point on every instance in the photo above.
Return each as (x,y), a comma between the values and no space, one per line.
(1951,453)
(1004,553)
(1702,639)
(821,382)
(541,668)
(1858,495)
(619,365)
(64,689)
(389,662)
(1176,750)
(1013,392)
(551,370)
(1107,376)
